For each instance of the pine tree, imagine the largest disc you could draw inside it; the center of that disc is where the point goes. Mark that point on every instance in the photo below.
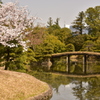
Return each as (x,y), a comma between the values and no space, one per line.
(78,23)
(50,22)
(93,20)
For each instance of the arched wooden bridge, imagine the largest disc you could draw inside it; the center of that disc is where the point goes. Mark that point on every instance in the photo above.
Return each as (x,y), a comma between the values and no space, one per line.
(68,54)
(75,53)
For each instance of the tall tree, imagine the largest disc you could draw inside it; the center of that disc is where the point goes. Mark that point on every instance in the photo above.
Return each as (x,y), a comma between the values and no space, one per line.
(53,26)
(93,20)
(50,22)
(57,21)
(14,21)
(78,23)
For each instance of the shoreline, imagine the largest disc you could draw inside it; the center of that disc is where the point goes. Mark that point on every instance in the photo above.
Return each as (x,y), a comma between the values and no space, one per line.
(79,76)
(17,85)
(43,96)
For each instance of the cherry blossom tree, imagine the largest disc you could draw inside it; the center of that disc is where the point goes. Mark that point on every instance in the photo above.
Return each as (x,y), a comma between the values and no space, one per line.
(14,22)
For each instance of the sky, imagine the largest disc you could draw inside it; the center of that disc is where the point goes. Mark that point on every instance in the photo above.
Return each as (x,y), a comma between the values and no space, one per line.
(66,10)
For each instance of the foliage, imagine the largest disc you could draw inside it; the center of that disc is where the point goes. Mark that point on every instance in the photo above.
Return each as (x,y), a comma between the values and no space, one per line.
(77,41)
(93,20)
(97,45)
(56,30)
(20,59)
(52,27)
(62,34)
(17,32)
(88,46)
(50,22)
(79,24)
(50,45)
(70,47)
(36,36)
(52,41)
(14,22)
(57,22)
(93,88)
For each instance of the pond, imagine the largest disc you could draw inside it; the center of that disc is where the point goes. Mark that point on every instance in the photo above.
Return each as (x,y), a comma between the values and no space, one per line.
(78,89)
(71,88)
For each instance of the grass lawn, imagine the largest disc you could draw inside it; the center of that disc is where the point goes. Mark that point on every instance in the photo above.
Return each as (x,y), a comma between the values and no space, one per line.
(19,86)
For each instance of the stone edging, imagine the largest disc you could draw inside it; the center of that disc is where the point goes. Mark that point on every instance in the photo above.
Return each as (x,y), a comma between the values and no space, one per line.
(44,96)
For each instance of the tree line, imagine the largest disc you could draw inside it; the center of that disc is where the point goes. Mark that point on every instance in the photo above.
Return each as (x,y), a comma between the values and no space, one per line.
(22,43)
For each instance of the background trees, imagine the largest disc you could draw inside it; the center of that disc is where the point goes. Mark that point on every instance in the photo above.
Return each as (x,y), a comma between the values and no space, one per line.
(77,41)
(93,20)
(88,23)
(79,24)
(50,45)
(17,34)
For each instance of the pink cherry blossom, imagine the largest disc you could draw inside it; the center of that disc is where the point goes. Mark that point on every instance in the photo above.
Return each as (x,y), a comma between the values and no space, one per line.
(13,22)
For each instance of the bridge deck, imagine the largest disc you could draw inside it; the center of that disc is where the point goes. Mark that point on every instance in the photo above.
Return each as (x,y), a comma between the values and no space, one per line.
(75,53)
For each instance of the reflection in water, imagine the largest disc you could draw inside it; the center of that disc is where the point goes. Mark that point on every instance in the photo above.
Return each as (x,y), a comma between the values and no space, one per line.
(67,88)
(76,65)
(72,91)
(64,93)
(79,89)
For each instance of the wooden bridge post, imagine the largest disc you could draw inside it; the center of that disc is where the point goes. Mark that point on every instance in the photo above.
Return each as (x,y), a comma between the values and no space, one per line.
(68,64)
(84,64)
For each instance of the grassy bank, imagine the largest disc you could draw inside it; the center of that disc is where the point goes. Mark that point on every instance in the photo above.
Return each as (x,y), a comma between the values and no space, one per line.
(19,86)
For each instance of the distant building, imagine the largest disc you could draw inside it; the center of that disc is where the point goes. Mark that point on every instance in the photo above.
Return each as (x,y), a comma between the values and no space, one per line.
(68,26)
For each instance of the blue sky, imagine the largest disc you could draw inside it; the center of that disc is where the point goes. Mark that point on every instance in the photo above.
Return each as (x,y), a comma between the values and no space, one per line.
(66,10)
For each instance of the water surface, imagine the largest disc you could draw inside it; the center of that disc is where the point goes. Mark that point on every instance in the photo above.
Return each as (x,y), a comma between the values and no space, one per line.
(78,89)
(72,88)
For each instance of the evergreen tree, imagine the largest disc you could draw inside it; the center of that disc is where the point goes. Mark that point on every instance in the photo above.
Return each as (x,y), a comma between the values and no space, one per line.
(78,23)
(50,45)
(53,26)
(93,20)
(50,22)
(77,41)
(70,47)
(88,46)
(56,25)
(57,21)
